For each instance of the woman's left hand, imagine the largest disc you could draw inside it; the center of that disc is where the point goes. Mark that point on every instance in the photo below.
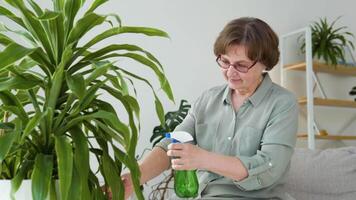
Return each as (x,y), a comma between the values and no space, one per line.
(187,156)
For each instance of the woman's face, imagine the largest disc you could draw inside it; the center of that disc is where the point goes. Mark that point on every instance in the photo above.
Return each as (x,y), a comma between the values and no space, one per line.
(236,54)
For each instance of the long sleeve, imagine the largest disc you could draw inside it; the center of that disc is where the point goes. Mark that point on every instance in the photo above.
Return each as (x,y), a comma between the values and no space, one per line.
(278,141)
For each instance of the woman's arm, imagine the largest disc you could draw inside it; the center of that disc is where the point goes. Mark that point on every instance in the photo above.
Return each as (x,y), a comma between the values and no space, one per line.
(154,164)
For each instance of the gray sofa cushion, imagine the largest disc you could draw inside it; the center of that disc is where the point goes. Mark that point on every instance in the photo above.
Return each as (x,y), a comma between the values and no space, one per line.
(323,174)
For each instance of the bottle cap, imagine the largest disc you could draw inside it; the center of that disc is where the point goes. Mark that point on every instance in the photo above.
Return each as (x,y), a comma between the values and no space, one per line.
(168,135)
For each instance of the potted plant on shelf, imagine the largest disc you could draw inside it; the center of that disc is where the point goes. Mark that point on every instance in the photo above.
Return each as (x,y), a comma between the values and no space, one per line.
(329,42)
(172,120)
(52,113)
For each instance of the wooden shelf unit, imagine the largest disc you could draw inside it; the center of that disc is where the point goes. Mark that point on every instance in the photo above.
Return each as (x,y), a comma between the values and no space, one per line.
(329,137)
(323,67)
(329,102)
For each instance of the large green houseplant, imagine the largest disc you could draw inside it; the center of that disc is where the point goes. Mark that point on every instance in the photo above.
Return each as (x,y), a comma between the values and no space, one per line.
(51,109)
(329,42)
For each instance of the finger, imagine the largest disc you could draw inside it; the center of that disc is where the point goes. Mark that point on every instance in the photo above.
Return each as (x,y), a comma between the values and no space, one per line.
(175,153)
(177,162)
(176,146)
(178,167)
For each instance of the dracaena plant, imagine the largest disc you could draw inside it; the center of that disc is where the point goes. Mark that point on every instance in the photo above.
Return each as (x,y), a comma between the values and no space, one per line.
(53,116)
(328,41)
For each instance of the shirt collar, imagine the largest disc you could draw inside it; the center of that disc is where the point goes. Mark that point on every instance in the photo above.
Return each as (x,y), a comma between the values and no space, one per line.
(257,96)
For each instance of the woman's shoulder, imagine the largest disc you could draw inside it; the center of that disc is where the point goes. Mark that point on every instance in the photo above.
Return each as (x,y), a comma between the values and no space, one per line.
(214,92)
(282,96)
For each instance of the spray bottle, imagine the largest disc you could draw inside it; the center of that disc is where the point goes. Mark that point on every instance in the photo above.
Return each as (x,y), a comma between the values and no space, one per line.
(185,181)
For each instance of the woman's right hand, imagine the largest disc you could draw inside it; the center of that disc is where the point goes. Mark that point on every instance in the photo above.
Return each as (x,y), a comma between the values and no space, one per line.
(126,179)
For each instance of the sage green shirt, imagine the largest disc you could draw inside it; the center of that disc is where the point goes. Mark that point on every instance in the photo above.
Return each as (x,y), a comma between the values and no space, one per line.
(262,134)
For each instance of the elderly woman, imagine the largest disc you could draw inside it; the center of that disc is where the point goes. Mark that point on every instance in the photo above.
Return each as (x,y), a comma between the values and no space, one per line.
(245,130)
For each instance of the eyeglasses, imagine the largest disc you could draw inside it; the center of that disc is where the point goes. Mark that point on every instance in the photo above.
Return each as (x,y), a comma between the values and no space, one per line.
(239,67)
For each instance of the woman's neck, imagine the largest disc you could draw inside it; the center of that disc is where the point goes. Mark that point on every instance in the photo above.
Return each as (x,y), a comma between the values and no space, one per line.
(248,91)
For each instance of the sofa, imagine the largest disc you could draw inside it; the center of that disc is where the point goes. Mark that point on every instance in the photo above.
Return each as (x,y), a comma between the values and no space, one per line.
(328,174)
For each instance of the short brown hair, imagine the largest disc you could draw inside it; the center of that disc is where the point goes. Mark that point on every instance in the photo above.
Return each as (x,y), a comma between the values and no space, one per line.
(257,36)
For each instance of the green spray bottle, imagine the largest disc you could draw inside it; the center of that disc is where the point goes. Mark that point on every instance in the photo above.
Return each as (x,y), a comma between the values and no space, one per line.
(186,183)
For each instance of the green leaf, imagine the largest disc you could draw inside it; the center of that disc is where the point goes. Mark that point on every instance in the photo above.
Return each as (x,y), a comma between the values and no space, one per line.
(35,7)
(83,26)
(131,163)
(10,15)
(25,82)
(125,29)
(111,175)
(17,111)
(58,5)
(75,192)
(65,164)
(34,121)
(8,99)
(116,47)
(112,119)
(100,68)
(6,142)
(11,54)
(160,112)
(76,84)
(35,27)
(41,176)
(162,79)
(20,176)
(49,15)
(95,5)
(81,157)
(71,8)
(4,40)
(56,87)
(89,96)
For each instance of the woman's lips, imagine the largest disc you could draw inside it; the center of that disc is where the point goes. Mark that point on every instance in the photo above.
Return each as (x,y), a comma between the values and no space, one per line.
(234,80)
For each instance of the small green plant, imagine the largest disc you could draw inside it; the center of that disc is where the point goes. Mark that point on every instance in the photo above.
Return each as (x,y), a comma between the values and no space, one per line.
(353,92)
(171,121)
(53,115)
(328,41)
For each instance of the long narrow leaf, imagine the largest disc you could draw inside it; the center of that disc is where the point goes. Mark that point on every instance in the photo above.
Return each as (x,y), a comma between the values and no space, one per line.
(83,26)
(41,176)
(76,84)
(111,175)
(65,164)
(81,157)
(11,54)
(35,27)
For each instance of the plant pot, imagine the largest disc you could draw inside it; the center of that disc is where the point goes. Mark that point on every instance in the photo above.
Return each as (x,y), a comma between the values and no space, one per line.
(23,193)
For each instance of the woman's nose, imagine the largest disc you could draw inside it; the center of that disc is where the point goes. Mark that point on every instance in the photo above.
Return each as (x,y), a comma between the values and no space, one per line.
(231,71)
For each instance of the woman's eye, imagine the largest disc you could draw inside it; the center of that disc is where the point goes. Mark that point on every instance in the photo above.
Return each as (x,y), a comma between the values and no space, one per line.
(226,62)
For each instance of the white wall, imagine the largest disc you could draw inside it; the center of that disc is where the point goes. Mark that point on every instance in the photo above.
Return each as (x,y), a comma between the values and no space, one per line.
(193,26)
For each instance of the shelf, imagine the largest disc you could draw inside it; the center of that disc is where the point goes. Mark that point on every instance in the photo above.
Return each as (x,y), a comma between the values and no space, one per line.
(329,102)
(323,67)
(329,137)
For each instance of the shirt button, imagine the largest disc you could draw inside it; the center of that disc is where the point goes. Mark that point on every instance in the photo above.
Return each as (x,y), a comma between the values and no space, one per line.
(229,138)
(270,164)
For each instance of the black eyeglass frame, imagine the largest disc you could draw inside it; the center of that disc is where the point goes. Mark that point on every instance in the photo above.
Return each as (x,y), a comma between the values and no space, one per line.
(240,69)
